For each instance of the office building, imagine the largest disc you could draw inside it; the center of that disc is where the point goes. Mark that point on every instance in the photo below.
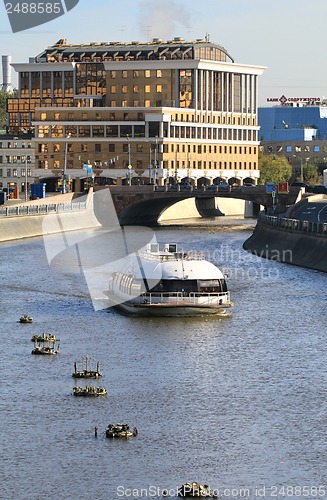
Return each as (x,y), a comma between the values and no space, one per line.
(135,112)
(295,128)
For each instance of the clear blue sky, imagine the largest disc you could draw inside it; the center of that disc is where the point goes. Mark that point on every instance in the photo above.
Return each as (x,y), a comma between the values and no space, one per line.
(286,36)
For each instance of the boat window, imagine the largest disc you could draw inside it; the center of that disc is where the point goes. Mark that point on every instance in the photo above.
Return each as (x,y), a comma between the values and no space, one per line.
(137,287)
(174,286)
(211,286)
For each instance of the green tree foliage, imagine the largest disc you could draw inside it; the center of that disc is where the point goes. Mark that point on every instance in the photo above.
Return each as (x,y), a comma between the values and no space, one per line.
(274,169)
(311,174)
(4,96)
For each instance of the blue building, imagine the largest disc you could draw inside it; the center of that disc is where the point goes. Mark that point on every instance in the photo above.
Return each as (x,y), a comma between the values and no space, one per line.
(298,132)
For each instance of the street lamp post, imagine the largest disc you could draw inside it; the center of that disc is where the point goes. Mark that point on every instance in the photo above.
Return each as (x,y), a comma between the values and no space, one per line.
(188,168)
(155,166)
(150,163)
(26,177)
(129,166)
(301,166)
(65,165)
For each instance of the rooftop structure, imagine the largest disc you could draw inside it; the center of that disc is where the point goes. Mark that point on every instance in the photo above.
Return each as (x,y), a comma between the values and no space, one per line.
(157,49)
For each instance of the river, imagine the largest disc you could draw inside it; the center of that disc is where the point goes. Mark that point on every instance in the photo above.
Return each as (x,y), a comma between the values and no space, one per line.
(238,403)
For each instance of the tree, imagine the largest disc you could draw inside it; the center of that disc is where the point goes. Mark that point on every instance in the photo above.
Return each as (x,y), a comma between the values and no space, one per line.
(274,169)
(4,96)
(311,174)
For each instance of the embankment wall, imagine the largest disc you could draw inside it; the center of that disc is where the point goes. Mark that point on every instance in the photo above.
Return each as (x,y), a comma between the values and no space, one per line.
(27,226)
(300,248)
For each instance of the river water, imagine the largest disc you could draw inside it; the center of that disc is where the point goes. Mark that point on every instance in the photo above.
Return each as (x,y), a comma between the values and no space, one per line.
(238,403)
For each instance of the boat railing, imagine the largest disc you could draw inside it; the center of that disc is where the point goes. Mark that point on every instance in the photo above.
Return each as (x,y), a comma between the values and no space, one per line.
(164,256)
(183,297)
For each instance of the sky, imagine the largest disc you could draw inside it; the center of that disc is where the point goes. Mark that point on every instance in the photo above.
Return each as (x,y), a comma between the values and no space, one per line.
(287,37)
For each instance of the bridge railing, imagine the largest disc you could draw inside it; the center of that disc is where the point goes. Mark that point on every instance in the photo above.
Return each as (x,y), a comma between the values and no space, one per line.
(21,210)
(294,225)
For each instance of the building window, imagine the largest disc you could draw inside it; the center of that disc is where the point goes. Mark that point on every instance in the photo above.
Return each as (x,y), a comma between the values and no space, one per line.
(113,104)
(43,116)
(135,73)
(159,73)
(97,148)
(84,148)
(147,103)
(43,148)
(57,116)
(135,89)
(147,73)
(124,104)
(15,172)
(112,131)
(111,148)
(124,89)
(98,131)
(113,89)
(124,73)
(135,104)
(112,74)
(316,149)
(139,148)
(84,116)
(159,88)
(288,149)
(84,131)
(147,89)
(112,116)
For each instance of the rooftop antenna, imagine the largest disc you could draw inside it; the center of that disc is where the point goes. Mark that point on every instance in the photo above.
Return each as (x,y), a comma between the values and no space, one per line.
(207,37)
(148,30)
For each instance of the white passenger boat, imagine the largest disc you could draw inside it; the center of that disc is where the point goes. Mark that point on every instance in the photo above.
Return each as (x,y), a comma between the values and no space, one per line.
(168,282)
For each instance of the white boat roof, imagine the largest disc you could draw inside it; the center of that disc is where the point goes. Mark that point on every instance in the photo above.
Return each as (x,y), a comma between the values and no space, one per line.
(173,268)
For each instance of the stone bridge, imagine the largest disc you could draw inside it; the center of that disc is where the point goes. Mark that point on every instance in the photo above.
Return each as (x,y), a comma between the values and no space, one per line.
(143,205)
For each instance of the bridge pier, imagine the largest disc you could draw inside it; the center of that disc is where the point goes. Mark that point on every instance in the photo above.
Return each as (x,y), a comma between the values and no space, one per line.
(207,207)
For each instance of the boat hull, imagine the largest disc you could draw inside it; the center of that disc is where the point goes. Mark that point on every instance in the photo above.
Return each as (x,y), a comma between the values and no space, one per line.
(160,310)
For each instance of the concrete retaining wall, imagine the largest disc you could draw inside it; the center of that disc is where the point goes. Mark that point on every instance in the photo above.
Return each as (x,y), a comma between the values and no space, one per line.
(306,250)
(20,226)
(187,209)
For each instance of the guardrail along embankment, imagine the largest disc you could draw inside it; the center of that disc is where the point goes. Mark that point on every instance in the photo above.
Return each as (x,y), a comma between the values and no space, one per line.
(26,220)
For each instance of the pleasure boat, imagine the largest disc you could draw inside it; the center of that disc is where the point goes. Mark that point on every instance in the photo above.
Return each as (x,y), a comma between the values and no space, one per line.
(25,319)
(168,282)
